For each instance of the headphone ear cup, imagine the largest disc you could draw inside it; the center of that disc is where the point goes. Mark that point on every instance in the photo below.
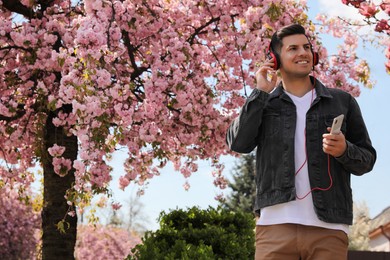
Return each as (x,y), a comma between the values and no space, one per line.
(274,59)
(272,56)
(316,58)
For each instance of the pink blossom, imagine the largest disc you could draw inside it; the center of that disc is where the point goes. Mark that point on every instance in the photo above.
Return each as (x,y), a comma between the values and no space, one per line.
(123,182)
(382,25)
(61,166)
(116,206)
(186,186)
(387,65)
(5,110)
(99,174)
(385,6)
(79,166)
(355,3)
(56,150)
(219,197)
(102,202)
(368,9)
(103,78)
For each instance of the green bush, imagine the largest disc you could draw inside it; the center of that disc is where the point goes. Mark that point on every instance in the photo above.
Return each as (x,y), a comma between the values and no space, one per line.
(199,234)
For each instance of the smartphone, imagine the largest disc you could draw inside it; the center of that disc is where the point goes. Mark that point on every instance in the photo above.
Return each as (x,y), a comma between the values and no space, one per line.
(336,126)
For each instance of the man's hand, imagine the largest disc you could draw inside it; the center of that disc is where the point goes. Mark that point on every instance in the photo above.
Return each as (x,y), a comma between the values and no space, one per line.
(334,144)
(262,82)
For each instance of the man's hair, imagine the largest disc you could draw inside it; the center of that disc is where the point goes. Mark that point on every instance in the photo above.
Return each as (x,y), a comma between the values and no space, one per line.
(277,37)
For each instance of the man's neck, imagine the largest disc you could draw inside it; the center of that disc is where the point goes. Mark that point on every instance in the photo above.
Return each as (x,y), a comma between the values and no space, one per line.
(297,86)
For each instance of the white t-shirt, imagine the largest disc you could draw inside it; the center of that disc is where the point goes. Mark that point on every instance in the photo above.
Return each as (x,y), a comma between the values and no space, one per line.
(299,211)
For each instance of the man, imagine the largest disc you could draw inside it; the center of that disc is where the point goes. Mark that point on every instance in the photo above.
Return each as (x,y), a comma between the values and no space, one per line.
(303,171)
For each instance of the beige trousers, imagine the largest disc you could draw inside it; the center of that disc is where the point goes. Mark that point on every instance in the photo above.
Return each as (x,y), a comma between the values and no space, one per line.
(299,242)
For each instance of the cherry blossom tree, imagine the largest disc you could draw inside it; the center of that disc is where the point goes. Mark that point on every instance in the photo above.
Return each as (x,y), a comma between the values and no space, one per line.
(161,79)
(19,225)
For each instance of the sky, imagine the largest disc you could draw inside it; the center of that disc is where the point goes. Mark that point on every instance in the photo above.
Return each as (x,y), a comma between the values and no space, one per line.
(166,192)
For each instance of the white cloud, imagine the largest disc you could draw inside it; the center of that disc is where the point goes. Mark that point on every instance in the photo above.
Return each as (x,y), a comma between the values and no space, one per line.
(336,8)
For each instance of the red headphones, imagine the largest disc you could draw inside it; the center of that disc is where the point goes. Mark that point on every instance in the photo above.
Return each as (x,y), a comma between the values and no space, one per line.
(274,56)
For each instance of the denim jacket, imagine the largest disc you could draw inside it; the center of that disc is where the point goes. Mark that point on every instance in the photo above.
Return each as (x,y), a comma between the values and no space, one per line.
(267,122)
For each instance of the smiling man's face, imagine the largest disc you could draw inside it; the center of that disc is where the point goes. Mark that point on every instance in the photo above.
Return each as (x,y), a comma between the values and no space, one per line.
(296,56)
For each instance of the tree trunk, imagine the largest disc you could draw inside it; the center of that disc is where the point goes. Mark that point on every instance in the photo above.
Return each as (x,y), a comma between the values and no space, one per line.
(57,245)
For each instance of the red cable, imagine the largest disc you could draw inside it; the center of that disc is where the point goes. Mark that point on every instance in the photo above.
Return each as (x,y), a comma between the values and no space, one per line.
(300,168)
(317,188)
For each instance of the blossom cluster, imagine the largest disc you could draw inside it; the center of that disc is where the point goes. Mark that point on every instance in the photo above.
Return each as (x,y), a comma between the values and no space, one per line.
(162,79)
(369,10)
(377,14)
(104,242)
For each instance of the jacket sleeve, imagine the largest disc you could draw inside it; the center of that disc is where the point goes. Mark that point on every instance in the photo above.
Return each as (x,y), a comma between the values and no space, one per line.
(243,131)
(360,156)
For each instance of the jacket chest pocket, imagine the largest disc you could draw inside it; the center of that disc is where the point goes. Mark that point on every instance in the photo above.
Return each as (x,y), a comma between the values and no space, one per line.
(271,123)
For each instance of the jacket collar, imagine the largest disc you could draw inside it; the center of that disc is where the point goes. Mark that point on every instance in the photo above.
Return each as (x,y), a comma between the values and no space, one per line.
(321,90)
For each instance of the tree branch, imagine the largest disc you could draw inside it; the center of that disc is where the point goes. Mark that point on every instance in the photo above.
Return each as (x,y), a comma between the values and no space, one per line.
(131,51)
(17,7)
(19,114)
(199,30)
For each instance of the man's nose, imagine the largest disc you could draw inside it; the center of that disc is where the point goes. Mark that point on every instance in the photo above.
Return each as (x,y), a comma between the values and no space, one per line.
(304,51)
